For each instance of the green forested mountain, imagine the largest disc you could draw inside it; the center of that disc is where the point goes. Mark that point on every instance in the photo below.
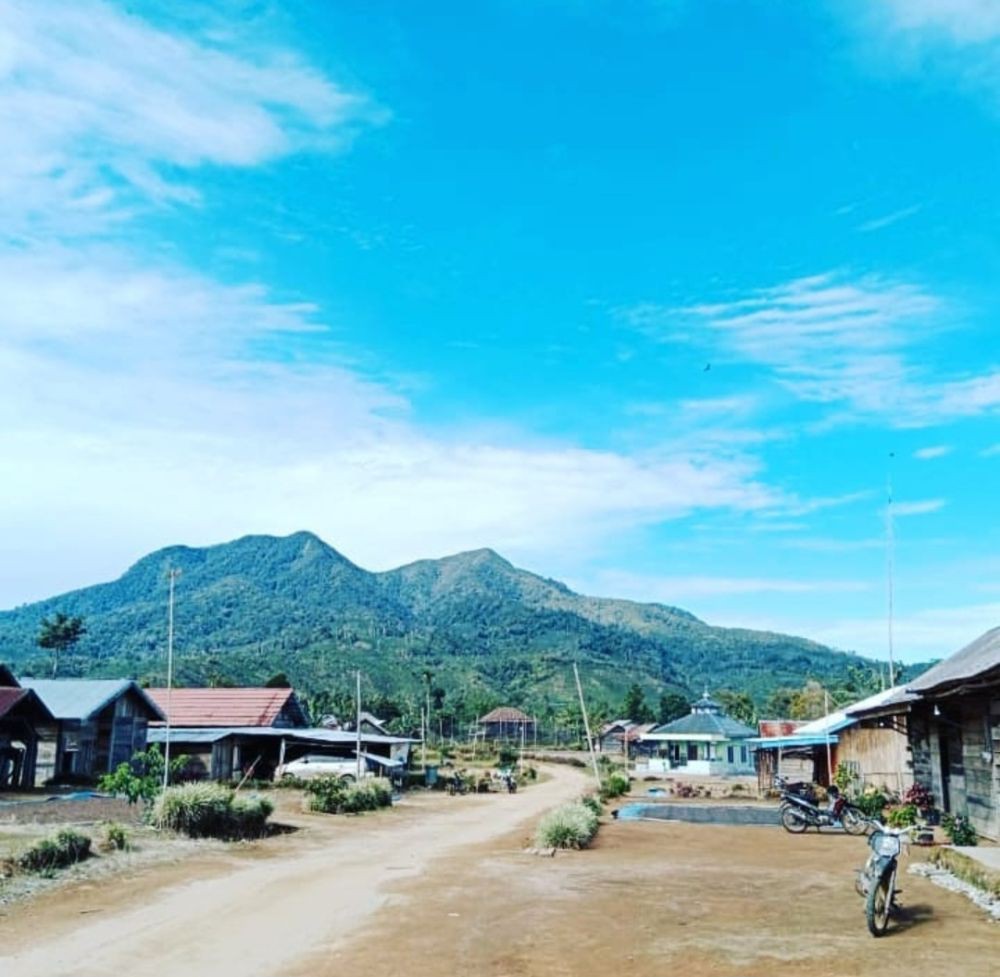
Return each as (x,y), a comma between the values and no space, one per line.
(470,629)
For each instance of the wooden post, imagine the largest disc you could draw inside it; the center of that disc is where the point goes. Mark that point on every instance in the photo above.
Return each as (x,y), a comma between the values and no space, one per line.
(586,726)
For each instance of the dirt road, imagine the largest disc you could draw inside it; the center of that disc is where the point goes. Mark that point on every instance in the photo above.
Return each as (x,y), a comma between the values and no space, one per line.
(260,913)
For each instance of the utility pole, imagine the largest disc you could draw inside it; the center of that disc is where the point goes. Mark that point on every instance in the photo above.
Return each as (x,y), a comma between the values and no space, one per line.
(172,576)
(357,724)
(586,726)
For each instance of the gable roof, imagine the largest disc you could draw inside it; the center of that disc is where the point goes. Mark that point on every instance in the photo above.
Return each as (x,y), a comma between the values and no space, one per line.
(80,698)
(505,714)
(974,661)
(11,699)
(228,707)
(7,678)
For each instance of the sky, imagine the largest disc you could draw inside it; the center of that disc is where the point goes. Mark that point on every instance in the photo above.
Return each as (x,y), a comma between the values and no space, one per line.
(661,298)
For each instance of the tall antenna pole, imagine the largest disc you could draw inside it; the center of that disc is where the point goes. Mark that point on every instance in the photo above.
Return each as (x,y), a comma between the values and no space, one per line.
(172,575)
(890,559)
(586,726)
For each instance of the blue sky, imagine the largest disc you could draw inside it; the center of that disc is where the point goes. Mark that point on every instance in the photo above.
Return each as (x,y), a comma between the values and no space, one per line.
(652,296)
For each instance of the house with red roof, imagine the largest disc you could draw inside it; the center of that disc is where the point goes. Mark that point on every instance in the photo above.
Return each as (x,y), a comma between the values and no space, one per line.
(25,723)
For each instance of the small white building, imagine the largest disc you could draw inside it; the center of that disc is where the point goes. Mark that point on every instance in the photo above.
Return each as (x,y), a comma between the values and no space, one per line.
(704,743)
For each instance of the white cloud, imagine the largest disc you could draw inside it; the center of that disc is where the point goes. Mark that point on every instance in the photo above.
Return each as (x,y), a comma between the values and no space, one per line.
(887,220)
(932,451)
(678,589)
(834,342)
(921,508)
(101,110)
(961,21)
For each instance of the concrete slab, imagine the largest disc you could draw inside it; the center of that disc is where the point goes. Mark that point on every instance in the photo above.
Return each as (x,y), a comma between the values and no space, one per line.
(990,857)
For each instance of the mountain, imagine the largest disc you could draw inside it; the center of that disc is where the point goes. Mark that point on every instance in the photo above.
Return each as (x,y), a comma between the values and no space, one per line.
(484,629)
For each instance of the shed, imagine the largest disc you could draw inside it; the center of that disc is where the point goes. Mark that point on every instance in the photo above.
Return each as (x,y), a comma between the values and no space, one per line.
(507,723)
(101,723)
(24,723)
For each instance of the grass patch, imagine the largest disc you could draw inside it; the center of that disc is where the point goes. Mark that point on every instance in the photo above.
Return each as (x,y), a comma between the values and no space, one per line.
(967,869)
(202,810)
(60,851)
(569,826)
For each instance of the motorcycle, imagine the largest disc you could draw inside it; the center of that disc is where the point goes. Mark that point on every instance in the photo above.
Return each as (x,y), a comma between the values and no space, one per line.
(799,810)
(877,880)
(457,785)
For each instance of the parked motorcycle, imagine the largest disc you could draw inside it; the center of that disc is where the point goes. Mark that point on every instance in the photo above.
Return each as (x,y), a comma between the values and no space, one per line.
(457,785)
(799,810)
(877,880)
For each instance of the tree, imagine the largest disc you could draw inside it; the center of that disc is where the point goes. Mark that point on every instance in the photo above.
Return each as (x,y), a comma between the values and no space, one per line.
(673,705)
(738,705)
(59,635)
(634,707)
(279,680)
(809,702)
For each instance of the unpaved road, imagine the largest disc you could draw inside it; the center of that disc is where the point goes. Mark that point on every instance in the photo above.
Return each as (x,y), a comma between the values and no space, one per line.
(259,913)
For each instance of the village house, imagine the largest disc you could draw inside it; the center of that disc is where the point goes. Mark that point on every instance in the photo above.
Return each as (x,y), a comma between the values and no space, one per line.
(508,724)
(867,738)
(231,733)
(24,724)
(705,742)
(621,737)
(101,723)
(954,733)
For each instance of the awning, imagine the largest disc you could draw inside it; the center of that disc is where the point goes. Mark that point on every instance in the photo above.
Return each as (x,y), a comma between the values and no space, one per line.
(792,742)
(382,760)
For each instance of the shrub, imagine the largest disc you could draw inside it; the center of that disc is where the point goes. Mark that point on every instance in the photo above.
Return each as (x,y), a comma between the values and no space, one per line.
(919,795)
(66,848)
(116,837)
(959,830)
(616,785)
(593,803)
(140,778)
(331,795)
(569,826)
(203,810)
(871,801)
(901,816)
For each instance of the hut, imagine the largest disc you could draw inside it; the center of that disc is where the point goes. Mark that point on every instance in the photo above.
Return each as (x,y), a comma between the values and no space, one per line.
(24,724)
(705,742)
(621,737)
(508,724)
(101,723)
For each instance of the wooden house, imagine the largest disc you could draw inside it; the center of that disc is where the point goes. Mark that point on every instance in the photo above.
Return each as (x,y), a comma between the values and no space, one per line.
(621,737)
(101,723)
(507,724)
(954,733)
(24,724)
(705,742)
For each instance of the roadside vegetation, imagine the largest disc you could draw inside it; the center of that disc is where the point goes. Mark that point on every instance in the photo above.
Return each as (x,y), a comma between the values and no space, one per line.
(334,795)
(570,826)
(202,810)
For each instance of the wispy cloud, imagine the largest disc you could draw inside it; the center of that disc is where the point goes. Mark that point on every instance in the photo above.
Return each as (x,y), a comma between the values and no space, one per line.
(102,111)
(921,508)
(835,341)
(962,21)
(991,452)
(878,223)
(932,451)
(677,589)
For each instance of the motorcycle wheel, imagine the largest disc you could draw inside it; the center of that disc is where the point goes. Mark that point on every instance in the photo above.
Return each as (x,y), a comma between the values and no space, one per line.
(792,821)
(878,905)
(854,822)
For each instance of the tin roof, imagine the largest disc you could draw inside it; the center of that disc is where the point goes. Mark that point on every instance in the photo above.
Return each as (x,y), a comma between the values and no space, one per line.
(973,661)
(316,735)
(80,698)
(227,707)
(704,724)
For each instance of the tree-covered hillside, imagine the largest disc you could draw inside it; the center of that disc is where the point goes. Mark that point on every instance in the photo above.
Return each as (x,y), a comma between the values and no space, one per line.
(471,629)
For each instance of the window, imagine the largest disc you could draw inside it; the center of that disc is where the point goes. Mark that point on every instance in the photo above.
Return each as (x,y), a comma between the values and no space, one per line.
(731,754)
(743,754)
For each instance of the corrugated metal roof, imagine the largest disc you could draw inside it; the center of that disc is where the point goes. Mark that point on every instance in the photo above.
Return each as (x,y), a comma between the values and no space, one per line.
(792,742)
(80,698)
(11,698)
(770,728)
(223,707)
(975,659)
(334,737)
(505,714)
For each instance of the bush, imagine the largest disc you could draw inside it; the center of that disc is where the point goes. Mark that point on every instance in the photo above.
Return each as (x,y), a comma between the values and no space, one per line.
(616,785)
(959,831)
(569,826)
(116,837)
(202,810)
(332,795)
(871,801)
(140,778)
(593,803)
(901,816)
(920,796)
(66,848)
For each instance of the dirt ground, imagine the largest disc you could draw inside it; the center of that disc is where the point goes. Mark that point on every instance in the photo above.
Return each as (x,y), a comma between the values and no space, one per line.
(440,886)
